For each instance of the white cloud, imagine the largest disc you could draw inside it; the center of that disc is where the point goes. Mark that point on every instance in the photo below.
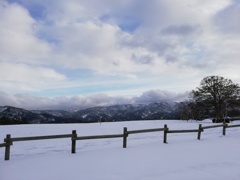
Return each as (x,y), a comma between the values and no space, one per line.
(160,95)
(145,42)
(18,39)
(27,77)
(80,102)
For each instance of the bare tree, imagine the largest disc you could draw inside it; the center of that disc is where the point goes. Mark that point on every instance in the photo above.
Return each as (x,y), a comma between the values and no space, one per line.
(184,111)
(217,93)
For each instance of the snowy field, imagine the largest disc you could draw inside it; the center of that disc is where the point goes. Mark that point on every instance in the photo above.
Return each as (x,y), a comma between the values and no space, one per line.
(214,157)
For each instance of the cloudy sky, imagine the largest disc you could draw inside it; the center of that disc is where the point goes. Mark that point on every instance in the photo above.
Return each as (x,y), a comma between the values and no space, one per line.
(73,53)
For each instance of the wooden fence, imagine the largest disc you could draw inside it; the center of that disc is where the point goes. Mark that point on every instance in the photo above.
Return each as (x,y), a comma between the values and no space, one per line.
(8,141)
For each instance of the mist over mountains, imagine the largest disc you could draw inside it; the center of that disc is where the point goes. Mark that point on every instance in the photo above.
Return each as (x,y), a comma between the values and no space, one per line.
(30,102)
(126,112)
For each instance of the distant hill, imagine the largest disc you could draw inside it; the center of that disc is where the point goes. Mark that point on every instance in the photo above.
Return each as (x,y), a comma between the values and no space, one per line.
(126,112)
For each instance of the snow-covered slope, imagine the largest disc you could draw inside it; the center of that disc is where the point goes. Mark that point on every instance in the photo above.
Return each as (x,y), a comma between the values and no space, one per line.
(146,158)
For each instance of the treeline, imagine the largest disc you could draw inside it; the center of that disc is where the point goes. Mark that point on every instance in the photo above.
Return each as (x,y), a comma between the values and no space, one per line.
(216,97)
(4,120)
(191,110)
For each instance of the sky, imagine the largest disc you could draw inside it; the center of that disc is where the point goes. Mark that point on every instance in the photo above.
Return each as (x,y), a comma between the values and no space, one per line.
(58,54)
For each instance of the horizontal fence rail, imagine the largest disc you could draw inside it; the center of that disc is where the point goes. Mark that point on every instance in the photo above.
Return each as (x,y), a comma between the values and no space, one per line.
(2,145)
(40,137)
(214,126)
(224,126)
(232,126)
(126,133)
(145,130)
(99,137)
(199,130)
(8,141)
(184,131)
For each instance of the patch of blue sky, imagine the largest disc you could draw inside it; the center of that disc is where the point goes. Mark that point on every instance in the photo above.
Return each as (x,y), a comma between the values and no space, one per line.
(200,54)
(85,82)
(73,74)
(15,1)
(197,51)
(37,12)
(67,92)
(84,90)
(129,27)
(35,9)
(125,23)
(47,37)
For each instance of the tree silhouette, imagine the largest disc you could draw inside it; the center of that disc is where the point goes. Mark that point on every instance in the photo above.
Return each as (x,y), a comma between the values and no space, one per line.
(218,94)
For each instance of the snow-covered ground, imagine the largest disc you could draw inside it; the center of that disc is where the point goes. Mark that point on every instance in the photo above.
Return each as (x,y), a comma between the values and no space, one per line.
(146,157)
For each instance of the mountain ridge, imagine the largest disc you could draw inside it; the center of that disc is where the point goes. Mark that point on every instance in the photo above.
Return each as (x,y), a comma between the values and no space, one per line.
(124,112)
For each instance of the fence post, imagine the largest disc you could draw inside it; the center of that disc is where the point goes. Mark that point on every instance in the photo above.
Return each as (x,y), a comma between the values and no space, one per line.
(165,133)
(125,135)
(200,129)
(7,147)
(224,128)
(74,135)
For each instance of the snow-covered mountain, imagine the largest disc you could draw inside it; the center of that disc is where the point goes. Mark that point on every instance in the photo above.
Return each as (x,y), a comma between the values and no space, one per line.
(126,112)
